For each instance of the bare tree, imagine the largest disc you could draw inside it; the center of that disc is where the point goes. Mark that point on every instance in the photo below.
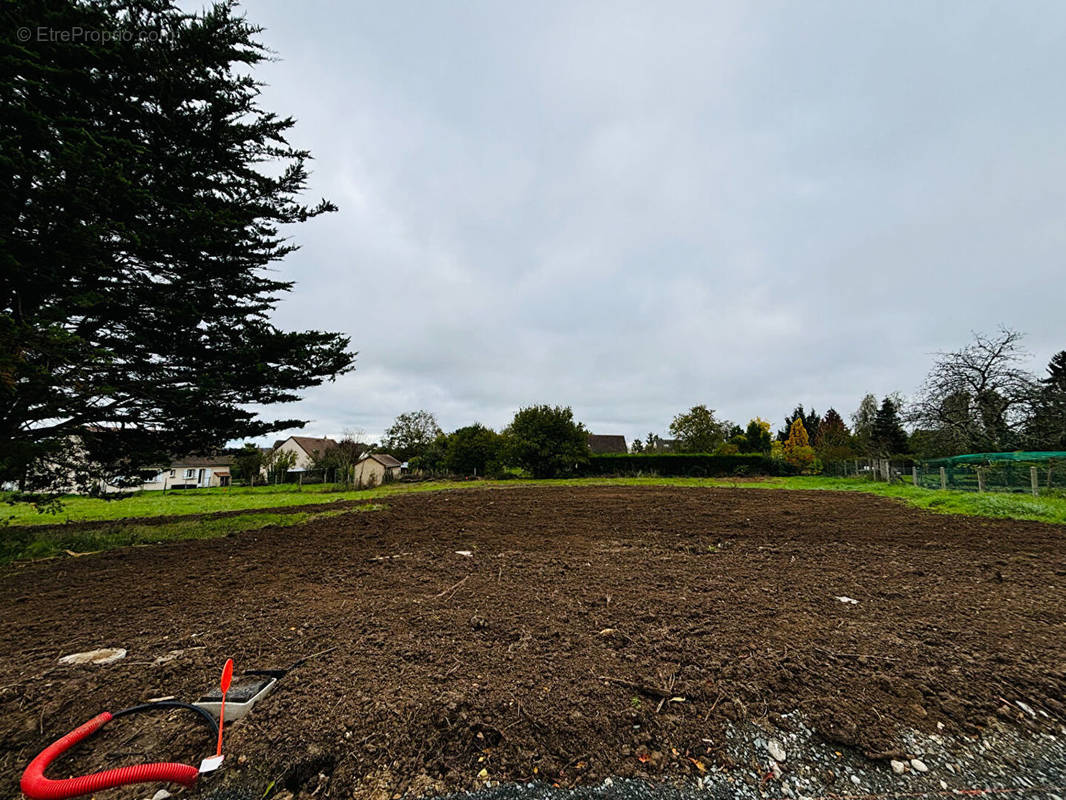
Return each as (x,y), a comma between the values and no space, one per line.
(977,399)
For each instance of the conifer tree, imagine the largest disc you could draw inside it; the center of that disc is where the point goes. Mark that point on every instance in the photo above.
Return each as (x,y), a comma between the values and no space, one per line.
(833,442)
(888,437)
(143,193)
(1047,427)
(798,450)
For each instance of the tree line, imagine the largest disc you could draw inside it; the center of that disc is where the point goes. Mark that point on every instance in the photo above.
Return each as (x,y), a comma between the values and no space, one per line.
(977,399)
(807,441)
(542,441)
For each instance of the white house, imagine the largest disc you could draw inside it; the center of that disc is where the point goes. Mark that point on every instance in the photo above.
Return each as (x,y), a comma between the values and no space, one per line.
(187,472)
(190,472)
(194,472)
(306,449)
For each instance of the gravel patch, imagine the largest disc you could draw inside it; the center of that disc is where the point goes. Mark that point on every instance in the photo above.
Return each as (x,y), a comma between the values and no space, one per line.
(1005,761)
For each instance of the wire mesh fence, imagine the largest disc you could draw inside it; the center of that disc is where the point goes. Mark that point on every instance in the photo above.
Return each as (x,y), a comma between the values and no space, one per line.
(1036,473)
(1031,473)
(890,470)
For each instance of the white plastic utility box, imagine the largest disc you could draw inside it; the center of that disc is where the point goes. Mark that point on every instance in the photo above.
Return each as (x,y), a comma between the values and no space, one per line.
(244,693)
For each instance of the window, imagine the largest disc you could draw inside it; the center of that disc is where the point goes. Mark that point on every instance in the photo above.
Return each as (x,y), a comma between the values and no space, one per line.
(172,473)
(190,473)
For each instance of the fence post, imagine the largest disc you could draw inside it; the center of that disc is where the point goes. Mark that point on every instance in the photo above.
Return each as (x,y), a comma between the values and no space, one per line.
(980,479)
(914,475)
(943,478)
(1034,481)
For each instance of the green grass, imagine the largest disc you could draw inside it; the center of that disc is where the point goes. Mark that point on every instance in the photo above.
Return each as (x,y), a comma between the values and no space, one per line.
(989,504)
(30,542)
(17,537)
(195,501)
(206,501)
(242,498)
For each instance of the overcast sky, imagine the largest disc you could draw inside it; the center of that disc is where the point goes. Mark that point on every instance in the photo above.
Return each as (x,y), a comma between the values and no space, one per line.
(635,208)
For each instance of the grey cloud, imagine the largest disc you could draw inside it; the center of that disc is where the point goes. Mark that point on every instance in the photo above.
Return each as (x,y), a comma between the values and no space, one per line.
(633,208)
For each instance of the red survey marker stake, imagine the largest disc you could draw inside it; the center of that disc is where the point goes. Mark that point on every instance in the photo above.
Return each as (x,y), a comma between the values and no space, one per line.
(227,679)
(211,763)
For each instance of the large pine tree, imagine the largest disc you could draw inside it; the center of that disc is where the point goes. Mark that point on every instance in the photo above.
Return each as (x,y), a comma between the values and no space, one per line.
(144,191)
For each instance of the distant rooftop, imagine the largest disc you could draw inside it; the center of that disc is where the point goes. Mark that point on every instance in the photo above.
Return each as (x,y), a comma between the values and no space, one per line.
(607,443)
(201,461)
(384,459)
(311,444)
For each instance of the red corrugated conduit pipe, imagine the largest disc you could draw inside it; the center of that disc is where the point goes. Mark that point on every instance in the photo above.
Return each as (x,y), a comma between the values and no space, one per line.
(36,786)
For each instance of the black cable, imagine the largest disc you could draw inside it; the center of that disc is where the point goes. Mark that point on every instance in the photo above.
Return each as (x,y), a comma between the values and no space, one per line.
(207,715)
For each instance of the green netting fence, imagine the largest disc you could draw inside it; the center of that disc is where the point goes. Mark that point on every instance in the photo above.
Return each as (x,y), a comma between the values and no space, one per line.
(1034,472)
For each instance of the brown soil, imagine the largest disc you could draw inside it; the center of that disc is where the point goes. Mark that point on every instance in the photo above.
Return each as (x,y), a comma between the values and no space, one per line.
(593,632)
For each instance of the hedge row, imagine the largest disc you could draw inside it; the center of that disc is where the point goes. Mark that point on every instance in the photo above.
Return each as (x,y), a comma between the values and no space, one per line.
(694,465)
